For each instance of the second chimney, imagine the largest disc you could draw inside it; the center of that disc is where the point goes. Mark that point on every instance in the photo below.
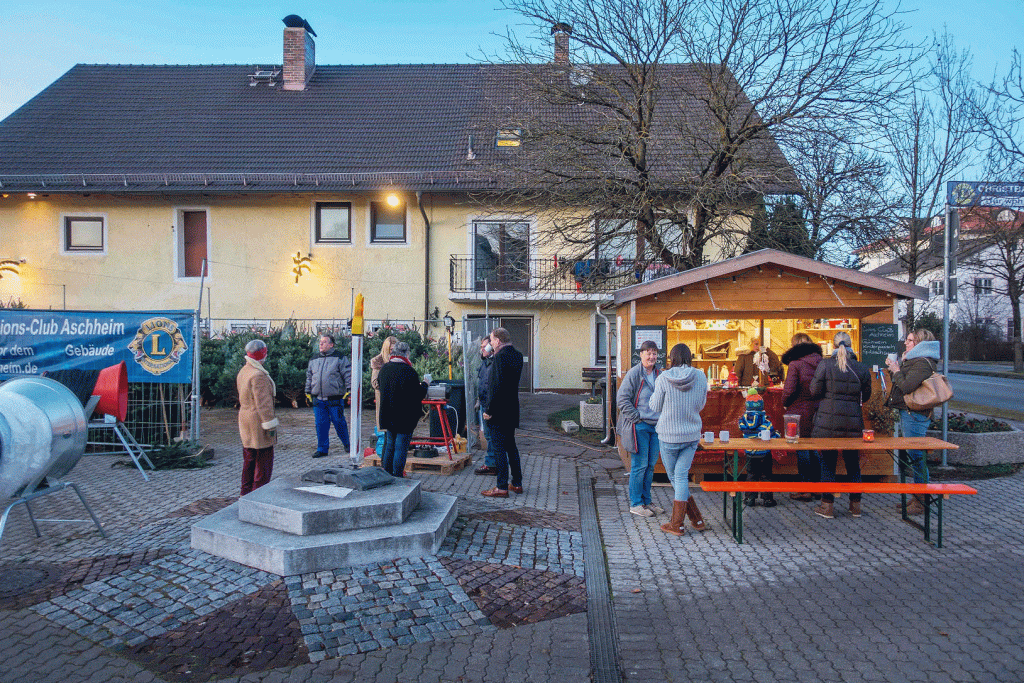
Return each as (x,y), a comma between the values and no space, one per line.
(561,32)
(299,54)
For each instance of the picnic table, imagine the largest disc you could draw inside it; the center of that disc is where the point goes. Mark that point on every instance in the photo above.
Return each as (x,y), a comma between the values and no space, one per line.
(731,485)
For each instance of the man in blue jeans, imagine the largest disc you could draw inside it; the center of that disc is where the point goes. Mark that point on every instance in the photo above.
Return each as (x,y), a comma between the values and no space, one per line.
(328,378)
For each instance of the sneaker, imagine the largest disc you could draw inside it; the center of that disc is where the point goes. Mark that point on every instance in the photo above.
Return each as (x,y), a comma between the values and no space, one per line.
(319,454)
(655,509)
(641,511)
(485,470)
(855,508)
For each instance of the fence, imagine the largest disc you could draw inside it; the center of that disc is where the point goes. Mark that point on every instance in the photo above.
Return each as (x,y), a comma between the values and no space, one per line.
(158,414)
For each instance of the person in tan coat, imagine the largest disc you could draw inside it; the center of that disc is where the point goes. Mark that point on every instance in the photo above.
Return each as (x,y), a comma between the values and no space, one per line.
(257,423)
(376,363)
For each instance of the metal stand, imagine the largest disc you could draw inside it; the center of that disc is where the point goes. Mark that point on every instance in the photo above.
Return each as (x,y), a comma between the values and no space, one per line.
(127,440)
(53,487)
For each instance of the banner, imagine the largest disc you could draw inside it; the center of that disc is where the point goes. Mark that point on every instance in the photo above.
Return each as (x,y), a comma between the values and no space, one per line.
(155,345)
(964,193)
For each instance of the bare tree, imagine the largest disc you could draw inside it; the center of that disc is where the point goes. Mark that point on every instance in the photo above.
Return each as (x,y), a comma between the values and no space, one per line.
(656,130)
(930,139)
(1000,115)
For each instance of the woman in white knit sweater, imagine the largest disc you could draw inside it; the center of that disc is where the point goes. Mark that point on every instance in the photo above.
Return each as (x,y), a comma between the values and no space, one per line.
(679,394)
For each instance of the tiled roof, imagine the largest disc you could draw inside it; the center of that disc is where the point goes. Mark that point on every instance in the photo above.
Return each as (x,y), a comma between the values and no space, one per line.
(136,127)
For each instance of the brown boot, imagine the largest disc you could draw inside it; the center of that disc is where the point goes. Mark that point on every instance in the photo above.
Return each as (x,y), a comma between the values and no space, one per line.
(696,520)
(674,526)
(824,510)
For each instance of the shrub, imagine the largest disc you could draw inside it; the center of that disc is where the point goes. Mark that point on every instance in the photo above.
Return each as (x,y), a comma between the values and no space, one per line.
(958,422)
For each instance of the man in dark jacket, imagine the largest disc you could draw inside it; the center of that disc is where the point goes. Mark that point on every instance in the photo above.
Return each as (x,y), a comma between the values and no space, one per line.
(401,406)
(483,380)
(502,412)
(328,378)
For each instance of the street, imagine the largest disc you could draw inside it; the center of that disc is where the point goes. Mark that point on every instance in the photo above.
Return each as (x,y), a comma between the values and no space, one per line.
(995,392)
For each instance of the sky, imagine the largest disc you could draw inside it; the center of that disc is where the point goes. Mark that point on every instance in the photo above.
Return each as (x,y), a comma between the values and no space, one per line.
(40,40)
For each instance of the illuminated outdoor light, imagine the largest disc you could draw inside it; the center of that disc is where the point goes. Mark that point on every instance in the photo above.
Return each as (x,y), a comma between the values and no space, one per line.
(392,199)
(301,265)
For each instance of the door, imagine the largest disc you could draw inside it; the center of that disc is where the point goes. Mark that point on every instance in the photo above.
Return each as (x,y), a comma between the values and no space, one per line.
(520,328)
(501,256)
(193,225)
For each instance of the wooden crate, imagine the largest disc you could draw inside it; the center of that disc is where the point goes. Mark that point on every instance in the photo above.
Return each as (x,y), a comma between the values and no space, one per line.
(441,464)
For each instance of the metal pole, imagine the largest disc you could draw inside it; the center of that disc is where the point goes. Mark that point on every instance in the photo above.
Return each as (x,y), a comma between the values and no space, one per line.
(607,440)
(356,389)
(945,323)
(196,346)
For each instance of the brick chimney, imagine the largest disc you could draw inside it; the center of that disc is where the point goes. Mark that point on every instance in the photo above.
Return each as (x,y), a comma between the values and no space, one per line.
(561,32)
(299,53)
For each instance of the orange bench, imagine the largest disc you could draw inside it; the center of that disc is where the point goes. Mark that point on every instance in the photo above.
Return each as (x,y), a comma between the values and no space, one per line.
(933,494)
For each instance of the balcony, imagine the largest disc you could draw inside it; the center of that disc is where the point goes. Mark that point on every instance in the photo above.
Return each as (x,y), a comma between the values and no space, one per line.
(550,278)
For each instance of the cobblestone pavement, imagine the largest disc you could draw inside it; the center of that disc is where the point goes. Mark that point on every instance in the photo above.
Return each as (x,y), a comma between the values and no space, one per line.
(803,599)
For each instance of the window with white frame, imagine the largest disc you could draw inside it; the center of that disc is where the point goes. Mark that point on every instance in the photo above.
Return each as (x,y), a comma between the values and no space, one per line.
(387,222)
(601,343)
(982,286)
(936,287)
(84,234)
(333,223)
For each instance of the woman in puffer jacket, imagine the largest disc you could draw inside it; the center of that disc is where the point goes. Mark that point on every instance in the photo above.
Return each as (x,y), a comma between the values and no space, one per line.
(919,362)
(801,361)
(843,384)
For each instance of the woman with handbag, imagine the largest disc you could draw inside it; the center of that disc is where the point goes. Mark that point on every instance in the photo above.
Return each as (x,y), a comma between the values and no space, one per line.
(919,362)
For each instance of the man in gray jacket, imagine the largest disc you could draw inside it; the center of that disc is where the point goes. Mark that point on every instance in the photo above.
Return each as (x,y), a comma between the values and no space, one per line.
(328,379)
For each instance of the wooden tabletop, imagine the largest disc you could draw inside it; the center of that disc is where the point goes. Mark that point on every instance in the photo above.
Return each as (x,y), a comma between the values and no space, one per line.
(881,443)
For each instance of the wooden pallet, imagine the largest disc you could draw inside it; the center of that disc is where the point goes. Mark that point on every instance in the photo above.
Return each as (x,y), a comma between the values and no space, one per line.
(439,464)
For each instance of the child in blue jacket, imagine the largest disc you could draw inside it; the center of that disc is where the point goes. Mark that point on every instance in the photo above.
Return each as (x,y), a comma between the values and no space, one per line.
(759,462)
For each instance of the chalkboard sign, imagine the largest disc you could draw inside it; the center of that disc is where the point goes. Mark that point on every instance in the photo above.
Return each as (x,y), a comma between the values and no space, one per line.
(655,333)
(878,341)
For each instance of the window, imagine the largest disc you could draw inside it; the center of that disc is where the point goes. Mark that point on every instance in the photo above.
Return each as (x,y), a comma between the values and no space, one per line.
(333,223)
(193,238)
(387,223)
(982,286)
(501,256)
(85,234)
(936,287)
(601,343)
(509,137)
(616,239)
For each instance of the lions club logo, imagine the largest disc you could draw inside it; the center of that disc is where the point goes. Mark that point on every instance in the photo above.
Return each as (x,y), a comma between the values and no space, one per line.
(158,345)
(963,194)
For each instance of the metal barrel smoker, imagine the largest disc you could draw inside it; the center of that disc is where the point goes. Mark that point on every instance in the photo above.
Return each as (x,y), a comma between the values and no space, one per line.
(43,433)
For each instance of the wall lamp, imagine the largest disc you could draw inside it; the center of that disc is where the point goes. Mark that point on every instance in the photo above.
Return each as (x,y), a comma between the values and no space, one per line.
(392,199)
(301,264)
(10,265)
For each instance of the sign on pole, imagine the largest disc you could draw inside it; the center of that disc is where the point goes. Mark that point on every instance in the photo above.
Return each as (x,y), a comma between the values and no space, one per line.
(963,193)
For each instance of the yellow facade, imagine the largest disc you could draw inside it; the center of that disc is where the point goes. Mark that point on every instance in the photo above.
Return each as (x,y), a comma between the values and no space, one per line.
(251,242)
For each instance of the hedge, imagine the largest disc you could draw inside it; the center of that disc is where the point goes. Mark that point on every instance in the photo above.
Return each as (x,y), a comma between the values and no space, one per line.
(289,352)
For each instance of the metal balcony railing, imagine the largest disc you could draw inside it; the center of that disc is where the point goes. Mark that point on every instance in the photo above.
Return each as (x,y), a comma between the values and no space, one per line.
(550,275)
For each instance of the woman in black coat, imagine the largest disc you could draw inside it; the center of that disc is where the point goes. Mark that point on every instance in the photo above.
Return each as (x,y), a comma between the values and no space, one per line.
(843,384)
(401,407)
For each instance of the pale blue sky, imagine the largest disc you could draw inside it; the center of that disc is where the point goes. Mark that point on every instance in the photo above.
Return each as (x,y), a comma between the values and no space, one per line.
(42,39)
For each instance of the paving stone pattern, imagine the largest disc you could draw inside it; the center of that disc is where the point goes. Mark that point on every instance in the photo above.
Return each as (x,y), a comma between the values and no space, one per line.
(253,633)
(804,599)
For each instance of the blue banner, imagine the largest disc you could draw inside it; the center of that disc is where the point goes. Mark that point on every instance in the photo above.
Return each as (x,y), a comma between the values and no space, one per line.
(964,193)
(155,345)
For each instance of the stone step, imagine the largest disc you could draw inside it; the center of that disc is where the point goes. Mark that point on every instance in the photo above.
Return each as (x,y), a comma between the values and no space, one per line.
(289,504)
(420,535)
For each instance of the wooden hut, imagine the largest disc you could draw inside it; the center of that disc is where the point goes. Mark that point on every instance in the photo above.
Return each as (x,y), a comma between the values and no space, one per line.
(717,309)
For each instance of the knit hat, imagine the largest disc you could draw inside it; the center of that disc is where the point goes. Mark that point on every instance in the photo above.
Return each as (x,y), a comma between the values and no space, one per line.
(754,400)
(256,349)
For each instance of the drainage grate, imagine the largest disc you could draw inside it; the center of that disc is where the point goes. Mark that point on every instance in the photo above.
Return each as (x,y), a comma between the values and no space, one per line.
(604,652)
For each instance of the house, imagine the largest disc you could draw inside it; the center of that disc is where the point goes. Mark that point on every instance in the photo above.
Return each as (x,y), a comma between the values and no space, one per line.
(297,185)
(981,297)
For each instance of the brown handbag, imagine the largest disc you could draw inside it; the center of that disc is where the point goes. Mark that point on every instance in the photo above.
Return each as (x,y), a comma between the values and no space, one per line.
(934,391)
